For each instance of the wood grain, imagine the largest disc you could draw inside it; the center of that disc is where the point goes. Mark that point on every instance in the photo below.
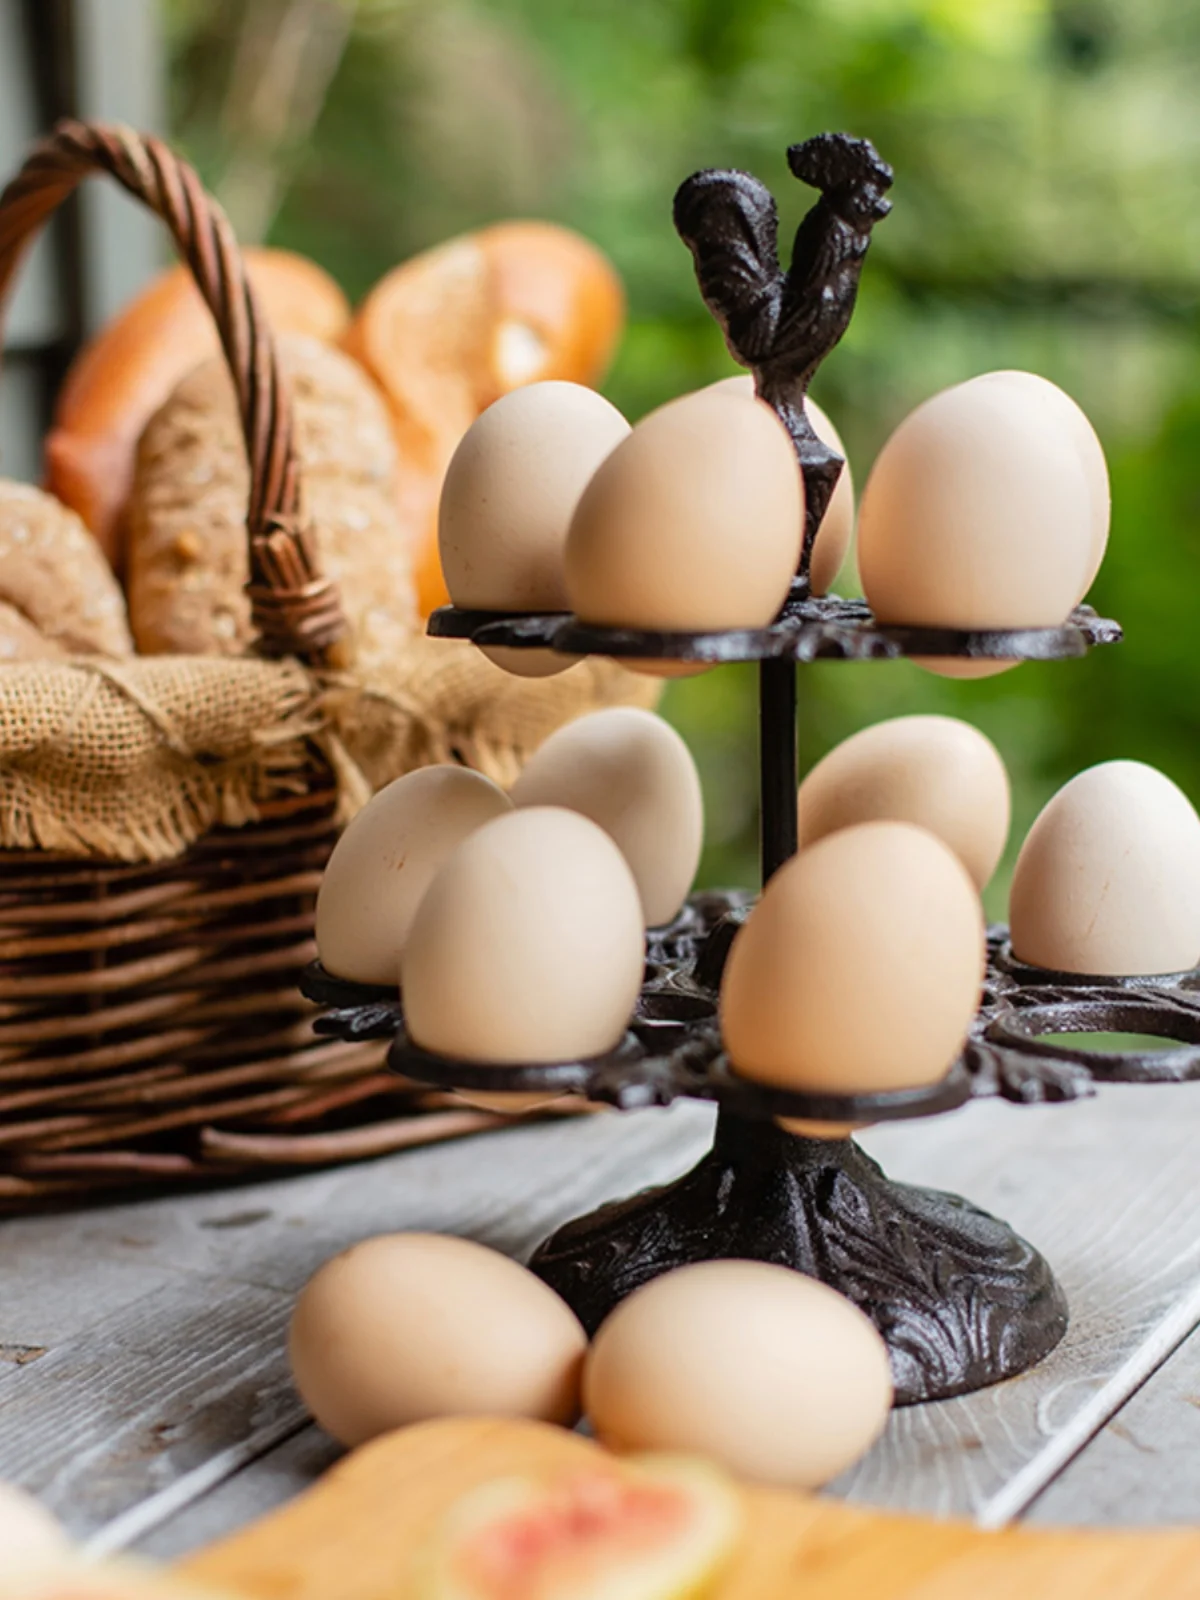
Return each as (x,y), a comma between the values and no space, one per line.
(1143,1466)
(162,1320)
(1109,1190)
(383,1503)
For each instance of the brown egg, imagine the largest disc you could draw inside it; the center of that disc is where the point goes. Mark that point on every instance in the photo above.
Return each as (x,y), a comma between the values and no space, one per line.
(632,774)
(691,524)
(507,501)
(529,945)
(649,668)
(1108,879)
(769,1373)
(511,490)
(837,525)
(412,1326)
(937,772)
(977,515)
(385,861)
(1070,416)
(510,1104)
(860,967)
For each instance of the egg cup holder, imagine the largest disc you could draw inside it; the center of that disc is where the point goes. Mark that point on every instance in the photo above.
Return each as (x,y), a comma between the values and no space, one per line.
(1009,1052)
(961,1300)
(808,628)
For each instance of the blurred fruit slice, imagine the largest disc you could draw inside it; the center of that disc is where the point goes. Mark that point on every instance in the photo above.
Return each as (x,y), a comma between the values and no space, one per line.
(122,376)
(655,1529)
(455,328)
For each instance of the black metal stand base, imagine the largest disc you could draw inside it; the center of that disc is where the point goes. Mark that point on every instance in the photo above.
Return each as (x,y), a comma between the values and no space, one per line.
(961,1300)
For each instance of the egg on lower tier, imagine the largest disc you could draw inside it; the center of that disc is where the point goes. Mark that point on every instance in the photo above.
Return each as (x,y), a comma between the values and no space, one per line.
(860,968)
(1108,878)
(632,774)
(529,945)
(385,861)
(935,771)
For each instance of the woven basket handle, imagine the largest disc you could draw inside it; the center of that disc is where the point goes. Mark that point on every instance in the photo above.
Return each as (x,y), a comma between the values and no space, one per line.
(294,609)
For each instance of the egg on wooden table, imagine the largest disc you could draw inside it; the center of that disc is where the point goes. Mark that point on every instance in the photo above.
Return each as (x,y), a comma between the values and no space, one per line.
(411,1326)
(385,861)
(529,945)
(977,514)
(507,500)
(632,774)
(692,524)
(837,525)
(1108,878)
(859,969)
(770,1373)
(937,772)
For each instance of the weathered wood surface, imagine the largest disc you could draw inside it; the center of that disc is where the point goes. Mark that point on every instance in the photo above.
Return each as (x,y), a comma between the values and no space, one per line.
(141,1348)
(1143,1467)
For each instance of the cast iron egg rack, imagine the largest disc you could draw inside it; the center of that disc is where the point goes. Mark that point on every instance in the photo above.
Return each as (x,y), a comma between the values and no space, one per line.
(961,1300)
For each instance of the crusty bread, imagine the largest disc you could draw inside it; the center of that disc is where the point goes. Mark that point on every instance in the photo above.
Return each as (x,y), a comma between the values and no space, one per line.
(187,532)
(21,641)
(449,332)
(122,376)
(55,581)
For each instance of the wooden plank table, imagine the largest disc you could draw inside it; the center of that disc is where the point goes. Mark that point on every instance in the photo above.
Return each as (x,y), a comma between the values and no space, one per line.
(144,1393)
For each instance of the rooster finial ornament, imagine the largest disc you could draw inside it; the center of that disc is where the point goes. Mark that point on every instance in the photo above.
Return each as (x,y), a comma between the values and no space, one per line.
(781,324)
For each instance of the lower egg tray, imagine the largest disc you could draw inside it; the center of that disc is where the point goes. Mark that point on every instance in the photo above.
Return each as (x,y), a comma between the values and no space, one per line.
(960,1299)
(672,1048)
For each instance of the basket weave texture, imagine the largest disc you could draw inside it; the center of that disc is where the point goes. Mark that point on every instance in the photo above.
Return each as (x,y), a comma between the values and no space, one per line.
(164,821)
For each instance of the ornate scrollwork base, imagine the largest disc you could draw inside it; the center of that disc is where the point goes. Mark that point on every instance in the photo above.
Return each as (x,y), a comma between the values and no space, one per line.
(961,1300)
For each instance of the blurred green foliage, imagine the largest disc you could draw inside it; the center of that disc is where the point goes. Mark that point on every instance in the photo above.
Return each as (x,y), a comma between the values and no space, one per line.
(1047,156)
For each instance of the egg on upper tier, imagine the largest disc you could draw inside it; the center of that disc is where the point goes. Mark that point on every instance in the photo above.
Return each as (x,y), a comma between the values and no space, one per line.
(692,524)
(837,525)
(987,508)
(508,498)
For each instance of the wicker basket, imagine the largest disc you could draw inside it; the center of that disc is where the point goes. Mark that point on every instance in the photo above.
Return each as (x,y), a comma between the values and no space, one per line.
(150,1024)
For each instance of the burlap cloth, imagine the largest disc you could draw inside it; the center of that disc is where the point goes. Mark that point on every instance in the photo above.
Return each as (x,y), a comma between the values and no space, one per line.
(134,760)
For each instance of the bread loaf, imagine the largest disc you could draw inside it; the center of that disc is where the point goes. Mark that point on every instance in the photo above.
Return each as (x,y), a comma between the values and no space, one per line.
(55,581)
(187,532)
(455,328)
(21,641)
(119,379)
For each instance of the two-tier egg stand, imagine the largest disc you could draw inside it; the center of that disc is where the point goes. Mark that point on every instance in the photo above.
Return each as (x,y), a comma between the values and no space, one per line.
(960,1299)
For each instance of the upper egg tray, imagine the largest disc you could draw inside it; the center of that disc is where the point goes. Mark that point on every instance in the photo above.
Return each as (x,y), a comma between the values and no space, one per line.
(809,628)
(673,1048)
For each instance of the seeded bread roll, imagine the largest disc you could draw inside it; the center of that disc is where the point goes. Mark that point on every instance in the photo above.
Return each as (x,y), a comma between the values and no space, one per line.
(21,641)
(55,580)
(186,516)
(120,378)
